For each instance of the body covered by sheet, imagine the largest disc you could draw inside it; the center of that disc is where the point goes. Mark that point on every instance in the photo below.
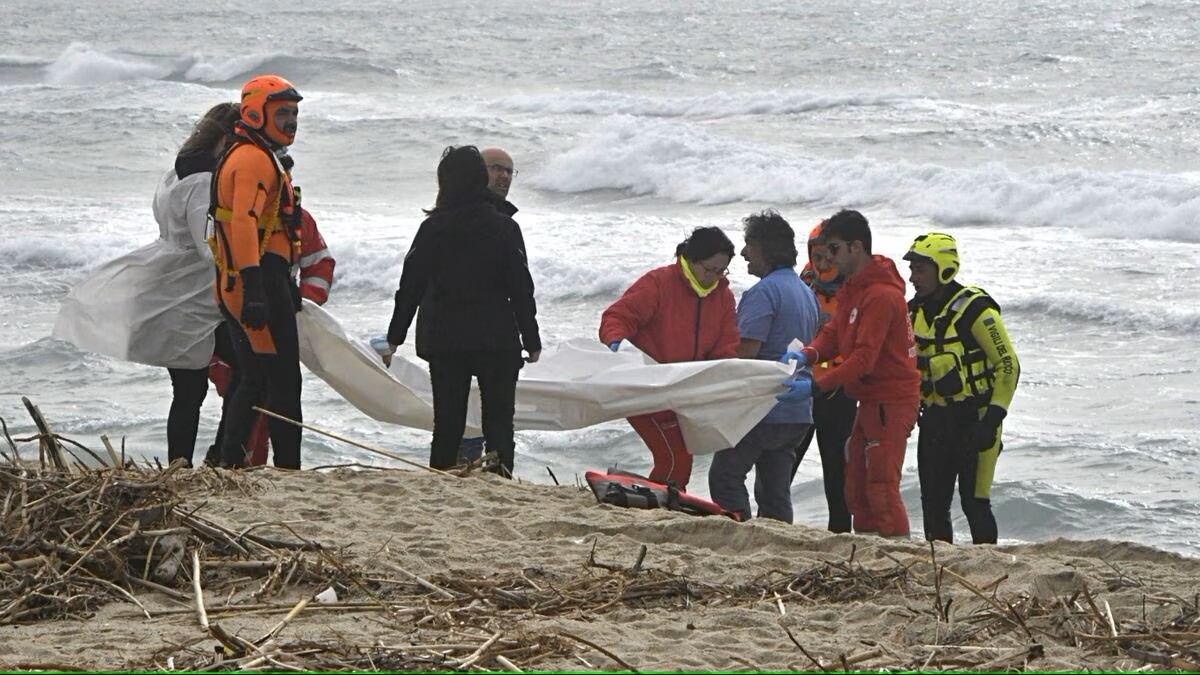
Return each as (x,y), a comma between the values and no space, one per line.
(574,385)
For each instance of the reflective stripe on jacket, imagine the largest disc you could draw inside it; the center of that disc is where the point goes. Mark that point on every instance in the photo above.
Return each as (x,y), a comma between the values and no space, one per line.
(316,263)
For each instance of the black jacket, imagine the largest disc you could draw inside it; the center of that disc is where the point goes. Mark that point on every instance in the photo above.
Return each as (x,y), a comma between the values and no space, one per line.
(506,207)
(467,272)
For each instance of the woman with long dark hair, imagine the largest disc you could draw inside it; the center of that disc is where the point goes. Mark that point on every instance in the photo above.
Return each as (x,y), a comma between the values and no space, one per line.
(678,312)
(467,272)
(155,305)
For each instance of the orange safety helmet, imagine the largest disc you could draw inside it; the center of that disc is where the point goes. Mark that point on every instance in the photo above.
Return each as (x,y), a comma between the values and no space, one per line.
(815,234)
(257,93)
(831,272)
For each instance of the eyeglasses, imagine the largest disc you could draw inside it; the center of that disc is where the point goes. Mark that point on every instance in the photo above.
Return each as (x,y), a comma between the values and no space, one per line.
(500,168)
(720,272)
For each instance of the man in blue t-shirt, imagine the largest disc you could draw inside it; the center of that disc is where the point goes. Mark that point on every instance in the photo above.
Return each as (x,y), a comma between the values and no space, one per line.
(773,312)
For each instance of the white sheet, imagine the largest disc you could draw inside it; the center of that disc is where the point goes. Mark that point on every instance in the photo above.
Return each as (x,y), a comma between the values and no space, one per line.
(574,385)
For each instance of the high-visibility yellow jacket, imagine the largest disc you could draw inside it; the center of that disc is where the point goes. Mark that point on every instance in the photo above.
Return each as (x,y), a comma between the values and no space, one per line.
(963,350)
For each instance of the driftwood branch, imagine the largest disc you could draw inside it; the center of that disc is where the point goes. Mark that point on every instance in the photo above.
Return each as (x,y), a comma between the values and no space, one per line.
(602,650)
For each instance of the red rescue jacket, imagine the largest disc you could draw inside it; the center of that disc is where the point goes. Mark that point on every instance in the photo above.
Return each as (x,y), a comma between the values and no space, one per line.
(316,264)
(872,333)
(662,316)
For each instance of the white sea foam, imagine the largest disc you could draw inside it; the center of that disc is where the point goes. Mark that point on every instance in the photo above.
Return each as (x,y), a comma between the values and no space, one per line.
(715,105)
(221,69)
(370,270)
(81,64)
(1086,307)
(683,163)
(22,60)
(43,254)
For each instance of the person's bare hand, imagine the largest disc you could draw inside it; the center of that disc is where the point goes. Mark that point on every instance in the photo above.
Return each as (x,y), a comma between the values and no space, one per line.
(533,356)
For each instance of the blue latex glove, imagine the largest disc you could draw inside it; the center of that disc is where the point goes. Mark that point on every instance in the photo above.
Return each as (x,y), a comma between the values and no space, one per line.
(799,357)
(799,389)
(614,345)
(381,346)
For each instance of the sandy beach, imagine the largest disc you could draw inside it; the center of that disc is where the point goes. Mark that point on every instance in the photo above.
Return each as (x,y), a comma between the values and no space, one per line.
(506,570)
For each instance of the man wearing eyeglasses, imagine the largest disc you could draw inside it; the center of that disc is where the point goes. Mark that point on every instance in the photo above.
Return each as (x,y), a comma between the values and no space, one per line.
(872,333)
(500,175)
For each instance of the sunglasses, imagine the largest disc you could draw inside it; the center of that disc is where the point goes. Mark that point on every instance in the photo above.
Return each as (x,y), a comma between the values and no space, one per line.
(835,246)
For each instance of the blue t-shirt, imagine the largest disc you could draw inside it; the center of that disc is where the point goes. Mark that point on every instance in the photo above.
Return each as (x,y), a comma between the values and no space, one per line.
(778,309)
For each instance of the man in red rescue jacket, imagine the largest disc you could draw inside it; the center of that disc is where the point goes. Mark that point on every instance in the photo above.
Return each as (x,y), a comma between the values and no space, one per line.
(872,334)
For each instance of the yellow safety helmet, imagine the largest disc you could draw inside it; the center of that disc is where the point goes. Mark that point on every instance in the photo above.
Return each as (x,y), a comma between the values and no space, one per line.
(941,250)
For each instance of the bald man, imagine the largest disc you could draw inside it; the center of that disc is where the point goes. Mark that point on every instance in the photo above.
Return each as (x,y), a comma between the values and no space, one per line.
(500,175)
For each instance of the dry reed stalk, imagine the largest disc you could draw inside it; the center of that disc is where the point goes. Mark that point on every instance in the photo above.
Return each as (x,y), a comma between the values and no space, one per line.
(441,592)
(600,649)
(384,453)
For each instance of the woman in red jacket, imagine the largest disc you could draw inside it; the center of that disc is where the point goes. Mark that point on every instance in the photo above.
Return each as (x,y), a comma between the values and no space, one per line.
(679,312)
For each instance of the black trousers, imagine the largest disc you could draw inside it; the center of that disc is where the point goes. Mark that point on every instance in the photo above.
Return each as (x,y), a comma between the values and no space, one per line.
(189,387)
(271,380)
(944,456)
(833,417)
(451,376)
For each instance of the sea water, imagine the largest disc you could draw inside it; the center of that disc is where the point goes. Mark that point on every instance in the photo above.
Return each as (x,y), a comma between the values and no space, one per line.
(1055,140)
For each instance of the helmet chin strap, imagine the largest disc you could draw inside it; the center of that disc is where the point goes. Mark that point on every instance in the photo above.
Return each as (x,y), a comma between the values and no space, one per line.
(262,138)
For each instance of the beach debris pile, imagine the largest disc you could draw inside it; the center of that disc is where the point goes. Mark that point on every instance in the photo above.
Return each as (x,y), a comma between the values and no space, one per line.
(76,534)
(80,529)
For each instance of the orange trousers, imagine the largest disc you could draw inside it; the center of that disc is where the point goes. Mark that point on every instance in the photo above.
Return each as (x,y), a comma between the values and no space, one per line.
(874,457)
(661,433)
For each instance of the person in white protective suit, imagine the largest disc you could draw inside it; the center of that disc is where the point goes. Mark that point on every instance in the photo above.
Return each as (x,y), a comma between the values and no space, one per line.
(155,305)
